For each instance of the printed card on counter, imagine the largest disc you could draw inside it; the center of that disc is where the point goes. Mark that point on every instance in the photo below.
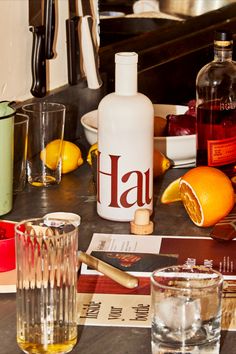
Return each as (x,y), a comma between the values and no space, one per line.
(132,311)
(141,255)
(111,310)
(103,302)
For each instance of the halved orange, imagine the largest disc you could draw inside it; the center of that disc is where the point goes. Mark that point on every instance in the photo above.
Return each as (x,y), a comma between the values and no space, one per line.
(207,194)
(171,193)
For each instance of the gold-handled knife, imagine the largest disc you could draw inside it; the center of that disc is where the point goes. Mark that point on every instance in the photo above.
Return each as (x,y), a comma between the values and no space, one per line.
(119,276)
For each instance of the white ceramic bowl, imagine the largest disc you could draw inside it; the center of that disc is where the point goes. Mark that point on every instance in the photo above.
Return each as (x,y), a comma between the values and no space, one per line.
(89,122)
(180,149)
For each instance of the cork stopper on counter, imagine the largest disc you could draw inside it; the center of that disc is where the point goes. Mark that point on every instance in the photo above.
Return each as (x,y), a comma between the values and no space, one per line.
(141,225)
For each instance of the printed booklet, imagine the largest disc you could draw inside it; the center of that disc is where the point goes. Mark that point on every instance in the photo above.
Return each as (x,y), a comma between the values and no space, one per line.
(102,302)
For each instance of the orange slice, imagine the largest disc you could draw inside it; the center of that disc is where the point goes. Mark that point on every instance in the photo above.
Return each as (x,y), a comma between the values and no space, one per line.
(171,193)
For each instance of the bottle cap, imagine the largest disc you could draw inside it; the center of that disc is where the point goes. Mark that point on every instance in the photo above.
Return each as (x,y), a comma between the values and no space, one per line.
(126,58)
(141,225)
(223,39)
(223,36)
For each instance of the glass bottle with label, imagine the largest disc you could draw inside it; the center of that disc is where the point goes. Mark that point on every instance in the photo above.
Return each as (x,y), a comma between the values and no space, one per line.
(216,108)
(125,146)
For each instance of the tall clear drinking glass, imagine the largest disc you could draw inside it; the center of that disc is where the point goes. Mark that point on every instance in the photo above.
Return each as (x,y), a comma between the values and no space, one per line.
(46,286)
(21,123)
(46,132)
(186,310)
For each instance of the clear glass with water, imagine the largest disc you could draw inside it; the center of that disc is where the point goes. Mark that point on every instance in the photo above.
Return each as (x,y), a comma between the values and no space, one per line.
(186,310)
(46,286)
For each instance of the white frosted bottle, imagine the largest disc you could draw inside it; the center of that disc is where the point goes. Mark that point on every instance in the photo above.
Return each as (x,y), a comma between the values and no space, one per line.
(125,146)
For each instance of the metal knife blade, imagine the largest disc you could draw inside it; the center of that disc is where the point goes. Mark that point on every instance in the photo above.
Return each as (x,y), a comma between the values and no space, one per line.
(38,62)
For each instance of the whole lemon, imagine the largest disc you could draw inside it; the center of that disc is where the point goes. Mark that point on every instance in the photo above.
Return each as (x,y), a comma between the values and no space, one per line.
(71,156)
(160,163)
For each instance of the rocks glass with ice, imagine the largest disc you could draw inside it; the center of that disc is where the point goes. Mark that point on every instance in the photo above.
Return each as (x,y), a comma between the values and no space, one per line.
(186,310)
(46,286)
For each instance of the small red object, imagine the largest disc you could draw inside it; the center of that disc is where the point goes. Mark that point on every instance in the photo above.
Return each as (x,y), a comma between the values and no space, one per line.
(180,124)
(7,246)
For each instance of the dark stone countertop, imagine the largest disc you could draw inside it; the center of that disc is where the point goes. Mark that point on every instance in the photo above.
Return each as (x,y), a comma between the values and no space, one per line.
(76,193)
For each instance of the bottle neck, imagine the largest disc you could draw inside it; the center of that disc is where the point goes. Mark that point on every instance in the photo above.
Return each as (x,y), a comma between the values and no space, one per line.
(222,55)
(126,79)
(223,50)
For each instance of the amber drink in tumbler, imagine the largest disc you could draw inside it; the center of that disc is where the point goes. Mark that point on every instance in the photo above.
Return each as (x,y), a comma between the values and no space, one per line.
(46,286)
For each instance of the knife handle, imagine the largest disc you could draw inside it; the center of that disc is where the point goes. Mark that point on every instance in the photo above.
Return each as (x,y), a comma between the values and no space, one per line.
(38,62)
(72,50)
(119,276)
(49,8)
